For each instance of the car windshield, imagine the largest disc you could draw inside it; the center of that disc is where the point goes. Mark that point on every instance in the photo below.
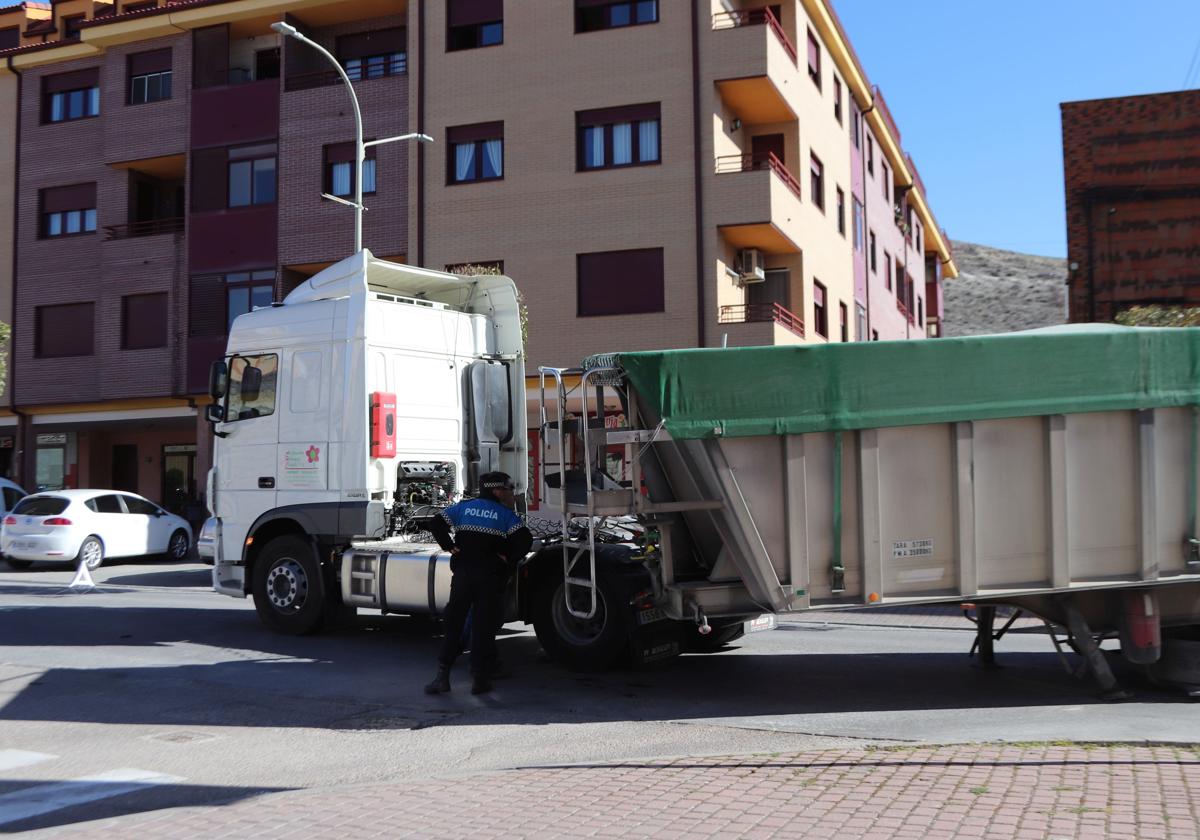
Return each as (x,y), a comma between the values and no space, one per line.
(41,506)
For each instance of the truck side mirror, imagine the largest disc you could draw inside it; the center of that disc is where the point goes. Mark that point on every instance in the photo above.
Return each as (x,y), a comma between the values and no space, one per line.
(218,379)
(214,413)
(251,384)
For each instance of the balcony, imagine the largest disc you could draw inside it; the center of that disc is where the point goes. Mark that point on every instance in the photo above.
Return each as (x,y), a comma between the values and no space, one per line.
(149,227)
(761,313)
(758,203)
(908,316)
(752,65)
(394,65)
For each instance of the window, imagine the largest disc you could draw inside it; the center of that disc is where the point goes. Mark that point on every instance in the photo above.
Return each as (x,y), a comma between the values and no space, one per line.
(144,321)
(870,155)
(814,59)
(476,153)
(10,37)
(818,182)
(149,76)
(251,387)
(856,126)
(885,176)
(615,137)
(247,291)
(64,330)
(837,99)
(374,54)
(920,312)
(71,26)
(41,506)
(858,225)
(339,170)
(620,282)
(140,507)
(71,96)
(474,23)
(899,279)
(841,211)
(252,175)
(917,234)
(874,335)
(844,315)
(68,211)
(593,15)
(820,314)
(871,251)
(887,271)
(861,312)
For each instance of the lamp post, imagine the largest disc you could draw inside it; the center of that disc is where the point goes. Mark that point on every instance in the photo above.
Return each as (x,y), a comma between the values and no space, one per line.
(360,148)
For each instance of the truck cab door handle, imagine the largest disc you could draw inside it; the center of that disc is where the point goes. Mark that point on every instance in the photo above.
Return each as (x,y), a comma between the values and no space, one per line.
(266,482)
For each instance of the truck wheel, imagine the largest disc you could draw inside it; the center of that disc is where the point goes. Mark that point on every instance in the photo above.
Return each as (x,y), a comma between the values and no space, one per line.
(714,642)
(288,592)
(587,644)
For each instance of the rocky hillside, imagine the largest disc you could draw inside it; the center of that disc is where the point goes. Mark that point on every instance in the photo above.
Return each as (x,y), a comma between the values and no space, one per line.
(1001,291)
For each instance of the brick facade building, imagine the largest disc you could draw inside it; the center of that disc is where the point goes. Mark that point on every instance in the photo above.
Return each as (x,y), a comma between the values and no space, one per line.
(173,154)
(1132,169)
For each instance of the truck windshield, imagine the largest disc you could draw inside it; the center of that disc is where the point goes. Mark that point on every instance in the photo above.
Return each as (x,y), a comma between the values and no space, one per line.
(252,381)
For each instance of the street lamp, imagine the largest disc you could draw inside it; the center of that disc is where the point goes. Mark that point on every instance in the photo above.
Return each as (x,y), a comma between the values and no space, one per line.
(360,148)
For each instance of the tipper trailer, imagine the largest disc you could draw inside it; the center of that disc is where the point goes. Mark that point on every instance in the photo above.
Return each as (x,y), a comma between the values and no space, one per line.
(1054,471)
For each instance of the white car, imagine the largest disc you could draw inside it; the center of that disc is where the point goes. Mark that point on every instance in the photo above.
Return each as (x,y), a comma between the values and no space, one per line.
(90,525)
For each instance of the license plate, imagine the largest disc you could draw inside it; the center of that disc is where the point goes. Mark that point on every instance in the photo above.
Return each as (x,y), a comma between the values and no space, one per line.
(650,616)
(22,544)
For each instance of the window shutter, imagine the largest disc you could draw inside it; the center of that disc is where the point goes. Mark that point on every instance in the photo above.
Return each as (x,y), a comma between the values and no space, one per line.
(468,12)
(620,282)
(209,179)
(74,197)
(210,56)
(818,294)
(206,305)
(624,113)
(376,42)
(64,330)
(155,61)
(472,133)
(71,81)
(144,321)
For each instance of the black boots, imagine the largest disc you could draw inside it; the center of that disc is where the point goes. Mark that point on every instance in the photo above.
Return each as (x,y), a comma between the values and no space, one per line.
(440,683)
(481,684)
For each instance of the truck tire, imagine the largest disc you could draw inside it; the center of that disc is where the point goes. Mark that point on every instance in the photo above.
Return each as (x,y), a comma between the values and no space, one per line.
(715,642)
(587,645)
(289,593)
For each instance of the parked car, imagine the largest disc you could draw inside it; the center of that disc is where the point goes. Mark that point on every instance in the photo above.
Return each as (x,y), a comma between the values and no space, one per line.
(90,525)
(10,494)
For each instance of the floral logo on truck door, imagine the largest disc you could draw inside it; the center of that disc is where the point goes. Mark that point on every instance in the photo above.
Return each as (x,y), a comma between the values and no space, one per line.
(313,454)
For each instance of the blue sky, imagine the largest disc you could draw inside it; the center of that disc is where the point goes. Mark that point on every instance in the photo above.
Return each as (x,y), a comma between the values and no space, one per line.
(975,88)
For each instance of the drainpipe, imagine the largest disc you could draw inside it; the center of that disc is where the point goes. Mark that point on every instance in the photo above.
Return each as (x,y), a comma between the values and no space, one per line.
(701,273)
(420,130)
(862,164)
(24,425)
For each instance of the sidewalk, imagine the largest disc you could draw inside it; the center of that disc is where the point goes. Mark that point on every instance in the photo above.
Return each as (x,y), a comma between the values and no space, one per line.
(992,792)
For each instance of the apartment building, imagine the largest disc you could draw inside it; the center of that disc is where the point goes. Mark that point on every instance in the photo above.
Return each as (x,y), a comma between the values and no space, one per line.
(1133,202)
(652,174)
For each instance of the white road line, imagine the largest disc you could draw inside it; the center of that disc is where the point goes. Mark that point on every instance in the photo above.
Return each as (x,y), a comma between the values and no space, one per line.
(12,759)
(44,799)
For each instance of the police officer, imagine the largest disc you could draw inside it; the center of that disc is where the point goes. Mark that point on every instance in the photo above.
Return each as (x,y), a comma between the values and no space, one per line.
(488,539)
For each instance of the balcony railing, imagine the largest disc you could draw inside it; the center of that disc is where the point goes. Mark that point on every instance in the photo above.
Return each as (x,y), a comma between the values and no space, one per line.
(908,316)
(758,313)
(150,227)
(753,162)
(755,17)
(395,65)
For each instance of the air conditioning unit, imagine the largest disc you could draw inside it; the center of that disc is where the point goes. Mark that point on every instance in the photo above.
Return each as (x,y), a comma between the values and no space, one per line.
(750,267)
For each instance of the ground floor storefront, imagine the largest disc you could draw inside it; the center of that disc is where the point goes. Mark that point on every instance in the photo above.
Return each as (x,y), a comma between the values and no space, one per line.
(160,449)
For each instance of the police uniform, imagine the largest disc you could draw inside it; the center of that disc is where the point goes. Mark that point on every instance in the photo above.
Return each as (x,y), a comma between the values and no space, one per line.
(490,539)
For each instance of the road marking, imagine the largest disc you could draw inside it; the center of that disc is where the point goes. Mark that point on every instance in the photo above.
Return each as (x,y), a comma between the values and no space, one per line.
(43,799)
(12,759)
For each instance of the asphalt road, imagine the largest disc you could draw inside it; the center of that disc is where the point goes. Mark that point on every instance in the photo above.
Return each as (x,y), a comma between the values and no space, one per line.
(152,691)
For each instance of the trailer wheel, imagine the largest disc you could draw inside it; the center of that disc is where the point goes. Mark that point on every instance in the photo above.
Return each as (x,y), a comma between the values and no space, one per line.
(289,594)
(587,644)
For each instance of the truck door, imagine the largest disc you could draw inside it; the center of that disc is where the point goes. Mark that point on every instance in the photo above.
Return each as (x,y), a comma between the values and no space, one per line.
(245,456)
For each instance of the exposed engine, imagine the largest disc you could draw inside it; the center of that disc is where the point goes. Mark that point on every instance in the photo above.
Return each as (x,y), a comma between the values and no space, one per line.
(423,488)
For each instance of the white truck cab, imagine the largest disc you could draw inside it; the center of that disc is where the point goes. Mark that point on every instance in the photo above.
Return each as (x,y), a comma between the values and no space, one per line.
(374,393)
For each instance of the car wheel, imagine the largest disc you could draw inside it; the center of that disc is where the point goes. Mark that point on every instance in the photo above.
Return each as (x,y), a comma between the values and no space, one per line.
(177,547)
(18,564)
(289,594)
(91,553)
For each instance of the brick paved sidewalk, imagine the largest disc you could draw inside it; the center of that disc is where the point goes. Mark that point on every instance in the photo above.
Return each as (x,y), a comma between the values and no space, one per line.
(929,793)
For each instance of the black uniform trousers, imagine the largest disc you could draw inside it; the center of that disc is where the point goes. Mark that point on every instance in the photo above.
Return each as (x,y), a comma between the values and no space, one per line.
(479,593)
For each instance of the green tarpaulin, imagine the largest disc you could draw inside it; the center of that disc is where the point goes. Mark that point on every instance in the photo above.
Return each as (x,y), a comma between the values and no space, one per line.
(791,390)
